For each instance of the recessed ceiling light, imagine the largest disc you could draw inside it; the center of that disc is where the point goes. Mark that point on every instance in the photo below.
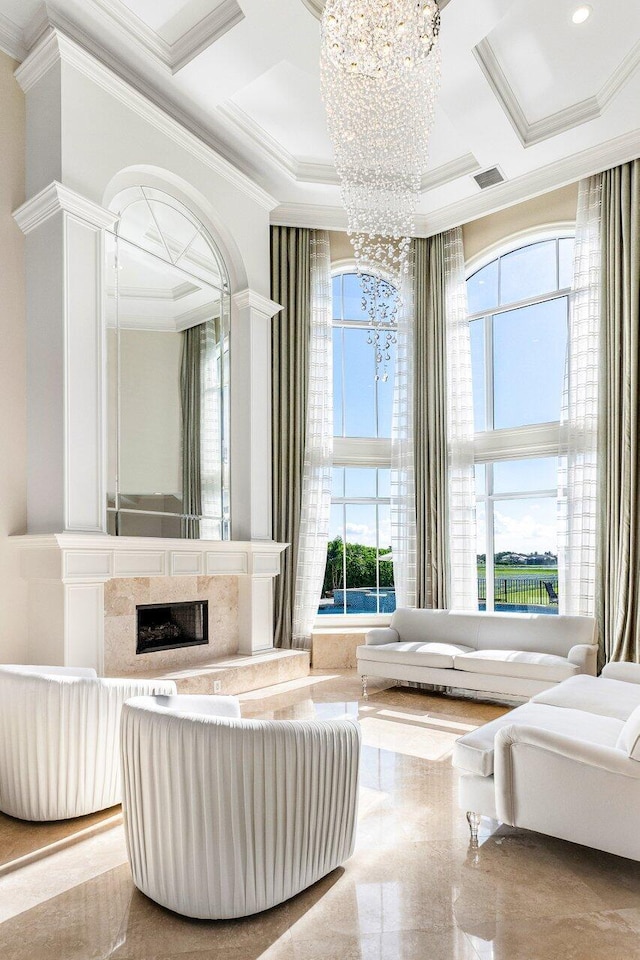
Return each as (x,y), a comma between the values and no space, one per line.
(580,14)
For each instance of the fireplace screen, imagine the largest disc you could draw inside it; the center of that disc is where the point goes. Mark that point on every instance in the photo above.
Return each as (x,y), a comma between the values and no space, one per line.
(169,626)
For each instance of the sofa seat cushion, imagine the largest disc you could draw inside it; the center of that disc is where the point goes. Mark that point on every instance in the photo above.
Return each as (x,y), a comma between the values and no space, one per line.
(414,654)
(607,698)
(473,752)
(517,663)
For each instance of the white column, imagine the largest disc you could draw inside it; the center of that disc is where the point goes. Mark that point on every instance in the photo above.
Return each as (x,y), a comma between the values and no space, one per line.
(65,349)
(251,455)
(251,415)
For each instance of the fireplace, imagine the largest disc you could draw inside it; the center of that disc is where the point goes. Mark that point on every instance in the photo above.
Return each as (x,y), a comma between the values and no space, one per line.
(169,626)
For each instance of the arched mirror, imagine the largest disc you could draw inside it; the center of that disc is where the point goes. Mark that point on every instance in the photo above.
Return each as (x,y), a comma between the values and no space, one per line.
(167,309)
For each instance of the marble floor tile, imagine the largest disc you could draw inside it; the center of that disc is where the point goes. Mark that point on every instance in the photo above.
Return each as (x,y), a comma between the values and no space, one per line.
(413,889)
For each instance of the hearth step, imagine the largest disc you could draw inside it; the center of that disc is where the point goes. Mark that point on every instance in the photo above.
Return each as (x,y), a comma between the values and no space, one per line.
(237,674)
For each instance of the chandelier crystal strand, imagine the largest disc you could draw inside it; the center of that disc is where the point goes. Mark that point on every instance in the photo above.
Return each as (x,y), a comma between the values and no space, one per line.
(380,74)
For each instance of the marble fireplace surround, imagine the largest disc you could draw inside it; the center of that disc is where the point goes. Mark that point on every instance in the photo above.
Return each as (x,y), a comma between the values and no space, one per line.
(83,589)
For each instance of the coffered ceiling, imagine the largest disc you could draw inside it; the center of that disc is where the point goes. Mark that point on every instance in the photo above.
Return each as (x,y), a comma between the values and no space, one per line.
(523,88)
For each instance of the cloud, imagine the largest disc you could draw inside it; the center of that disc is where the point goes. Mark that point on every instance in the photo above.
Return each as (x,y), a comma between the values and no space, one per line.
(363,533)
(534,531)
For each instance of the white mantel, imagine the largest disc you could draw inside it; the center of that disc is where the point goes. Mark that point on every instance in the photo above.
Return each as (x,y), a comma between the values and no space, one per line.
(66,573)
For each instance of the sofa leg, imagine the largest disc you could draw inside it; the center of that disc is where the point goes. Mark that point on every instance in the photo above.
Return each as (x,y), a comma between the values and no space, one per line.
(365,694)
(473,819)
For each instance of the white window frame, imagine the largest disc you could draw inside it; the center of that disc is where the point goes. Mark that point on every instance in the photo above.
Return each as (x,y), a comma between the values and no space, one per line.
(371,452)
(529,442)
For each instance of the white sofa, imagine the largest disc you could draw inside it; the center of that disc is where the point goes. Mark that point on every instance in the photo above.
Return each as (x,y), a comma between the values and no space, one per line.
(226,817)
(517,655)
(59,739)
(567,764)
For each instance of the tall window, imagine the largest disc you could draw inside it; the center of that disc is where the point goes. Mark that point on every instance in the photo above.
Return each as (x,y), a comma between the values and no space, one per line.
(518,313)
(358,578)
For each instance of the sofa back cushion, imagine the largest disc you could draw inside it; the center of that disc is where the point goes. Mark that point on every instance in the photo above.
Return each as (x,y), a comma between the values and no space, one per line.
(437,626)
(629,739)
(530,632)
(535,632)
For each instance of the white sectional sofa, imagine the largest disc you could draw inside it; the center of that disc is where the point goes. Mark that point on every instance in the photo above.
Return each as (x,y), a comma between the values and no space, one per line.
(567,764)
(509,654)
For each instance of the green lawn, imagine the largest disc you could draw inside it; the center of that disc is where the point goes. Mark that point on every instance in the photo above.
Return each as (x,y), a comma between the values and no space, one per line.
(502,571)
(527,579)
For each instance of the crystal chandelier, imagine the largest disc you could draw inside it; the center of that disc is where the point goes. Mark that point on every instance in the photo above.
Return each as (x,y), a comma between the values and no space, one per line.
(380,73)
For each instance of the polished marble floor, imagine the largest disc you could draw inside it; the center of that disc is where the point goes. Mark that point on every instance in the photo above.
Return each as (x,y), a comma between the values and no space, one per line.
(412,890)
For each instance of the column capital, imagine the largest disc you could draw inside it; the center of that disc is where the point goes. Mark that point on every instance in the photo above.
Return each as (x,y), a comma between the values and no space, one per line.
(250,300)
(56,198)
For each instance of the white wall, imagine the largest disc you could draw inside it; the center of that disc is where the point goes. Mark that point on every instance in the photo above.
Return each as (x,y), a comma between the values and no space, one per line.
(13,503)
(150,438)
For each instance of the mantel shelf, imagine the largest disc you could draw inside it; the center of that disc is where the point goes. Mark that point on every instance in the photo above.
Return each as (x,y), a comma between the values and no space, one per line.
(73,557)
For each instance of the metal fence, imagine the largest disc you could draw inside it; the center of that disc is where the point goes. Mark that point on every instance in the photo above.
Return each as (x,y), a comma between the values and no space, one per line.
(537,591)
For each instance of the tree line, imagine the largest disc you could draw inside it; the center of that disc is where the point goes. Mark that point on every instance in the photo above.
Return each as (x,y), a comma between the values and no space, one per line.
(360,564)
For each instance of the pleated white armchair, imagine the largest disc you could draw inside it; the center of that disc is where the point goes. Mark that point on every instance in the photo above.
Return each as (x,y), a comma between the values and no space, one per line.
(226,817)
(59,739)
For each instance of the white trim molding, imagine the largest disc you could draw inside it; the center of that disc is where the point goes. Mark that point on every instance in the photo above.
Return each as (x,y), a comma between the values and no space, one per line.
(131,29)
(249,299)
(482,203)
(85,558)
(11,39)
(55,46)
(57,198)
(316,171)
(530,133)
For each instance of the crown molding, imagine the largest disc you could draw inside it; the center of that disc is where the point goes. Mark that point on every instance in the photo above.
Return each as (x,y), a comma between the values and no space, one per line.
(448,172)
(205,33)
(537,182)
(240,121)
(316,216)
(562,120)
(11,39)
(131,28)
(317,172)
(55,45)
(249,299)
(619,78)
(550,177)
(55,199)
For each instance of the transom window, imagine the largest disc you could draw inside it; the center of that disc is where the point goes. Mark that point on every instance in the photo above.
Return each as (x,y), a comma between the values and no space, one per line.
(518,313)
(358,578)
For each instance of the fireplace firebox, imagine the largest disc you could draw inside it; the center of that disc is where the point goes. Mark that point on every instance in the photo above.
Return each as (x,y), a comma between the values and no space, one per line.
(169,626)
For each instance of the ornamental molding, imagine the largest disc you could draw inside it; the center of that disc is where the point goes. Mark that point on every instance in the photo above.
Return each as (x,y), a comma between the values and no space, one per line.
(57,198)
(11,39)
(131,28)
(317,172)
(54,46)
(250,300)
(482,203)
(88,558)
(562,120)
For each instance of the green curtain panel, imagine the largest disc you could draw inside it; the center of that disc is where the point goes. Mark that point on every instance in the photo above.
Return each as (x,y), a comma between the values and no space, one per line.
(291,287)
(430,421)
(619,534)
(191,400)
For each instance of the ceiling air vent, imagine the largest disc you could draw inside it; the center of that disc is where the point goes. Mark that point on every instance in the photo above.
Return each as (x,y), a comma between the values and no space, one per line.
(488,178)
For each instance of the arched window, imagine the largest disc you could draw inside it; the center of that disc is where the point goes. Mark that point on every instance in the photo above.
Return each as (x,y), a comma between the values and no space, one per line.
(358,580)
(518,313)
